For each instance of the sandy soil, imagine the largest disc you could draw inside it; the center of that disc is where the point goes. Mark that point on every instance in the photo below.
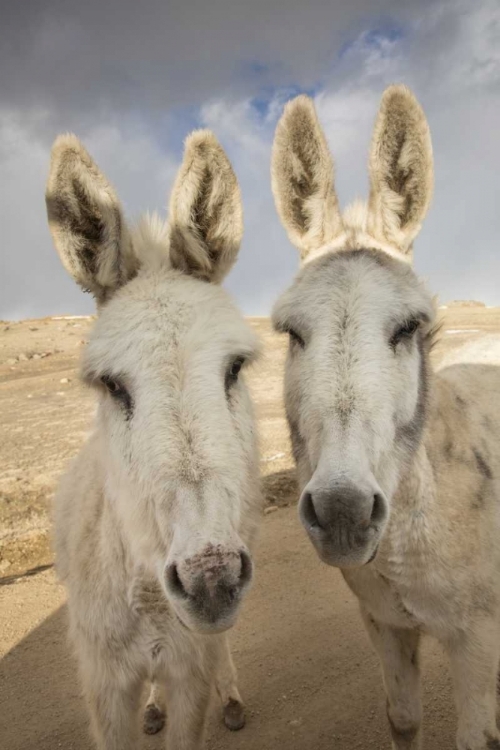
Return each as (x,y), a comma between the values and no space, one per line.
(307,672)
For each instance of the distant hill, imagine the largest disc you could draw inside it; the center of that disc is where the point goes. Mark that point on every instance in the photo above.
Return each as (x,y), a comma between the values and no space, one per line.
(465,303)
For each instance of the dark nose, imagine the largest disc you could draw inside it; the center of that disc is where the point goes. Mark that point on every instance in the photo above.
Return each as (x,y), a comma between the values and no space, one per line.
(211,589)
(344,506)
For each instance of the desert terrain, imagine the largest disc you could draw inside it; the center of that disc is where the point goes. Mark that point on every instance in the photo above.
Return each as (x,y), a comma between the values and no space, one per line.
(307,672)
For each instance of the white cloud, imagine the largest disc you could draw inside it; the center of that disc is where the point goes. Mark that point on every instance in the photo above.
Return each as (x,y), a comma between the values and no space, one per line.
(473,59)
(266,260)
(135,163)
(238,124)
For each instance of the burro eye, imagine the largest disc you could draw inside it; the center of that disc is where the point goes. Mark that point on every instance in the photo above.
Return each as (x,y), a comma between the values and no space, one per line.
(118,392)
(112,386)
(233,371)
(404,332)
(295,338)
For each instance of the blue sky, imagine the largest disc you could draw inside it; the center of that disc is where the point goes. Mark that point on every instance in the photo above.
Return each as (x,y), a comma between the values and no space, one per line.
(133,79)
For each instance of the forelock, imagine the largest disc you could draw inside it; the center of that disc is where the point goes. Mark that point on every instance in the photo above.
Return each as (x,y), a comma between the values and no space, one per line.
(355,236)
(150,241)
(320,284)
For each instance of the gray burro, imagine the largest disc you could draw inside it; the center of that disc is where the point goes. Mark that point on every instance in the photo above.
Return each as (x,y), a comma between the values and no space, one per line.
(399,464)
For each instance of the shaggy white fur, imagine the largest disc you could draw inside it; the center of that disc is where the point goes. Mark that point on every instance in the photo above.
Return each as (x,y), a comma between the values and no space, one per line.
(399,465)
(156,518)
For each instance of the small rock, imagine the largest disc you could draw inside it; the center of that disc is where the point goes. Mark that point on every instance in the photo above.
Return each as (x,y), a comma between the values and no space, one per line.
(32,328)
(23,357)
(296,722)
(4,565)
(45,354)
(12,361)
(6,328)
(60,393)
(270,509)
(65,380)
(30,395)
(36,356)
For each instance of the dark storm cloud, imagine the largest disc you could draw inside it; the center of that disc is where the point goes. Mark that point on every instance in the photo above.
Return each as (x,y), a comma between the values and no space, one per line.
(133,78)
(103,58)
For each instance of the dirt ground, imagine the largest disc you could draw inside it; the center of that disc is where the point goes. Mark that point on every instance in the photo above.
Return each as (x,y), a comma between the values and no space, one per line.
(307,671)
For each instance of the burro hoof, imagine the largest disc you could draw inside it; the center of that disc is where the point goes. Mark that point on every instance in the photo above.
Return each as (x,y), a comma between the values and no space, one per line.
(154,719)
(234,715)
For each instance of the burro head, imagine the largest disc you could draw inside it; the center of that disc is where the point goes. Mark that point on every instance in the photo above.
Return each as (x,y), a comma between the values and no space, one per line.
(359,320)
(175,438)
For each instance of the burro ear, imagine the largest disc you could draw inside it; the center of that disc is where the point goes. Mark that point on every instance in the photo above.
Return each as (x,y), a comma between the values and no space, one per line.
(401,170)
(86,221)
(206,216)
(302,178)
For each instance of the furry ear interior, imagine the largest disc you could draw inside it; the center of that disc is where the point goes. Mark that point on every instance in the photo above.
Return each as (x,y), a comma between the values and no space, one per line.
(302,178)
(206,216)
(86,221)
(401,169)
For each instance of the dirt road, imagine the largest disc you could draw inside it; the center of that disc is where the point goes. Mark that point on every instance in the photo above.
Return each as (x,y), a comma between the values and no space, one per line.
(307,672)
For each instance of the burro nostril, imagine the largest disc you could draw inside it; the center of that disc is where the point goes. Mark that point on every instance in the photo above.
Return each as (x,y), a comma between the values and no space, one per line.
(174,583)
(307,512)
(246,569)
(378,510)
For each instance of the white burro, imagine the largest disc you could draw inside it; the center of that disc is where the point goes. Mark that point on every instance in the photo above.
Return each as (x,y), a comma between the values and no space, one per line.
(156,517)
